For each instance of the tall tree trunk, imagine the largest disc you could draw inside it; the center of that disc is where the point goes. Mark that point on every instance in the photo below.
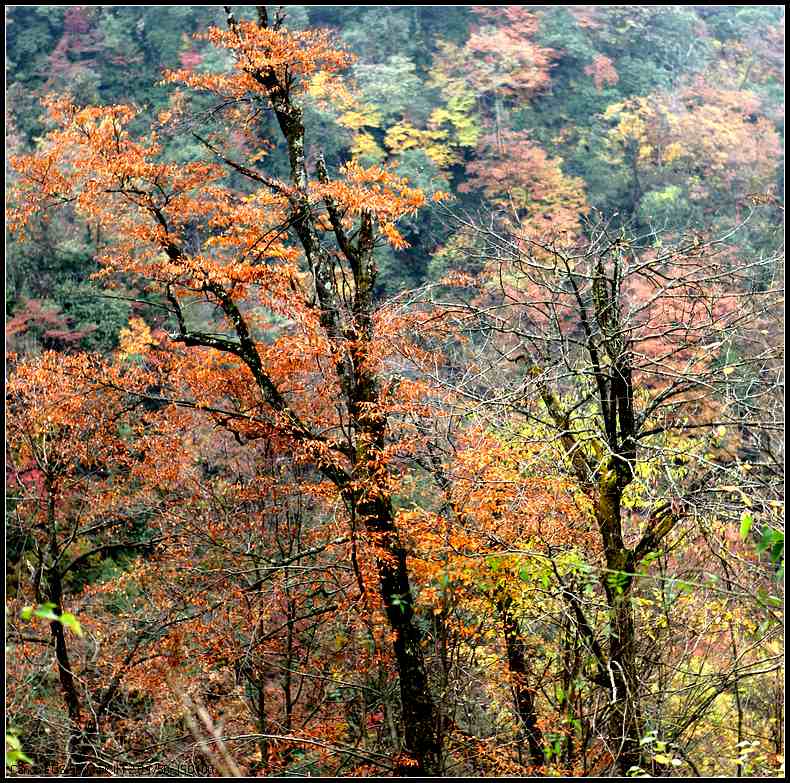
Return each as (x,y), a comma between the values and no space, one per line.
(373,507)
(77,749)
(625,722)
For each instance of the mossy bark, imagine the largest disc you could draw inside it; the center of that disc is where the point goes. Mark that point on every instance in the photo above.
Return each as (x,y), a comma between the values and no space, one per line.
(625,720)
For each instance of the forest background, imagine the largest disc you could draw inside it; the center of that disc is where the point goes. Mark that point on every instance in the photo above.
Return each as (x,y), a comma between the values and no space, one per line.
(565,412)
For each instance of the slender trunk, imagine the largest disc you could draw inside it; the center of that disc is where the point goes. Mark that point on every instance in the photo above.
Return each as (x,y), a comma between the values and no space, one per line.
(571,643)
(79,757)
(372,505)
(70,695)
(625,719)
(289,664)
(517,663)
(65,675)
(263,728)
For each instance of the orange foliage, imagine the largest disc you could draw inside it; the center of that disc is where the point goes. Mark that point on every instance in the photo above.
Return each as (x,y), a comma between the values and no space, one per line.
(602,71)
(293,57)
(707,130)
(518,176)
(506,58)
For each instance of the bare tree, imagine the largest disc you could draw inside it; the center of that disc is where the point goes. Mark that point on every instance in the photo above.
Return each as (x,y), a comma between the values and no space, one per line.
(655,364)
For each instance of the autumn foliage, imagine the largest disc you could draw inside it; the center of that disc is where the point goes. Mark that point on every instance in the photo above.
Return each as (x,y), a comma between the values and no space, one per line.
(521,520)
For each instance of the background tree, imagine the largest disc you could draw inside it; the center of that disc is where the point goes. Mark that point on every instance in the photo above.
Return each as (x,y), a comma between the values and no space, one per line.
(69,456)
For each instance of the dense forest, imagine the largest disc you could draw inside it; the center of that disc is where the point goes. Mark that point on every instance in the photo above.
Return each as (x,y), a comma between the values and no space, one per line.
(395,391)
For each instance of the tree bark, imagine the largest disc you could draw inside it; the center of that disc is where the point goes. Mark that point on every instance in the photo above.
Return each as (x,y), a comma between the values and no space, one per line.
(79,752)
(625,722)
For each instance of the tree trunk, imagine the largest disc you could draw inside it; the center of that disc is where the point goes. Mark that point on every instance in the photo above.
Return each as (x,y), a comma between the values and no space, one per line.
(624,724)
(419,714)
(517,663)
(79,752)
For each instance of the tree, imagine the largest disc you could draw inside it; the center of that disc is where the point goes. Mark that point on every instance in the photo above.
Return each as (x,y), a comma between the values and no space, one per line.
(490,509)
(689,153)
(575,438)
(517,176)
(69,458)
(630,347)
(195,239)
(499,65)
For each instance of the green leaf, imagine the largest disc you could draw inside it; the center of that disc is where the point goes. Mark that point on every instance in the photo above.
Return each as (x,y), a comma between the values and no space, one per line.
(685,587)
(495,563)
(770,539)
(46,612)
(768,600)
(660,758)
(649,558)
(70,621)
(14,753)
(617,580)
(12,758)
(746,524)
(397,600)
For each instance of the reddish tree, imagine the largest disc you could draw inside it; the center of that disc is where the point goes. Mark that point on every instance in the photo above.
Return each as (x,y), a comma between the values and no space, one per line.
(184,230)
